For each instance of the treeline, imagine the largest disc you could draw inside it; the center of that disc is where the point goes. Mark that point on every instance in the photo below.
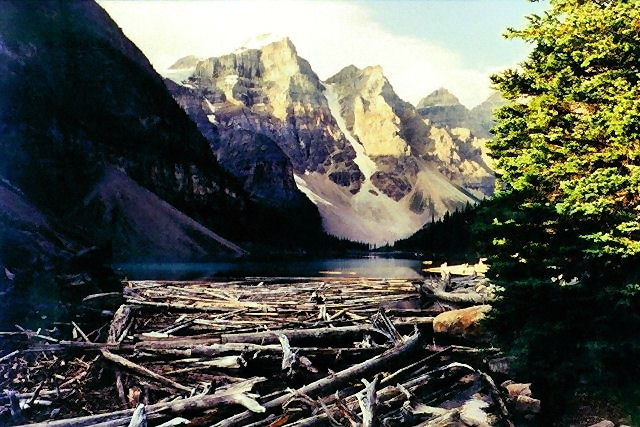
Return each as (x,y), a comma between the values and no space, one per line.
(449,238)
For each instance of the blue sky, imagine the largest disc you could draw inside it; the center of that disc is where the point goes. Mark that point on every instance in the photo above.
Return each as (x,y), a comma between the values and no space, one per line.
(421,44)
(473,28)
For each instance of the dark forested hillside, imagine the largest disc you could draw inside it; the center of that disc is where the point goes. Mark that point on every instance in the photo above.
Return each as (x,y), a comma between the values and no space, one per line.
(448,239)
(96,153)
(79,99)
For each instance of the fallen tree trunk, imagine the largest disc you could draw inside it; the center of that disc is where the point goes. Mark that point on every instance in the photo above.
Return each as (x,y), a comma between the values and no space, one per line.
(339,333)
(236,393)
(334,381)
(433,291)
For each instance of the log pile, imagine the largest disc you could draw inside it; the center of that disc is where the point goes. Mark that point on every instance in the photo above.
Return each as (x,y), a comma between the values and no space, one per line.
(262,352)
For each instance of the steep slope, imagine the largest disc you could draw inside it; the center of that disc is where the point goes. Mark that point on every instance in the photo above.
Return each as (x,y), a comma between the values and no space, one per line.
(79,99)
(77,96)
(481,116)
(367,99)
(366,158)
(254,158)
(277,94)
(444,109)
(140,226)
(46,268)
(407,164)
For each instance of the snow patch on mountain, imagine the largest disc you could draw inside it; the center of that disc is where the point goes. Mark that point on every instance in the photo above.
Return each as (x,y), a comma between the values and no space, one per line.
(364,162)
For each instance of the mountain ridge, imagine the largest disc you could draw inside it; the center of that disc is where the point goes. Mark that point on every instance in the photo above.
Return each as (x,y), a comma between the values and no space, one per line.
(444,108)
(358,151)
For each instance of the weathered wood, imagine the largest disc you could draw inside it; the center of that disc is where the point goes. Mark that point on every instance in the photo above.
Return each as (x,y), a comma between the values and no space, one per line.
(119,324)
(141,370)
(434,291)
(367,400)
(139,417)
(117,330)
(495,394)
(332,382)
(340,333)
(241,326)
(203,402)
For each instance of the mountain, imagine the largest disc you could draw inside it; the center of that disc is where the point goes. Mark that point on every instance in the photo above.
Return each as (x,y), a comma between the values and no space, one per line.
(79,100)
(139,225)
(443,108)
(93,139)
(363,156)
(482,114)
(439,97)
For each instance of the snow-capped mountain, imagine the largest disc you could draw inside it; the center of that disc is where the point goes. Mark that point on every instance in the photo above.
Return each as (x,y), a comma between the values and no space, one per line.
(374,167)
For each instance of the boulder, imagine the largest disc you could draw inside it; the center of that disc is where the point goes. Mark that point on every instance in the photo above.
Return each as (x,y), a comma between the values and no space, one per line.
(517,389)
(603,423)
(464,322)
(526,404)
(499,365)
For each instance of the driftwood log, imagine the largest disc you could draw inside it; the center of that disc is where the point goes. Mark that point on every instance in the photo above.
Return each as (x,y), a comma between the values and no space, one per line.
(260,351)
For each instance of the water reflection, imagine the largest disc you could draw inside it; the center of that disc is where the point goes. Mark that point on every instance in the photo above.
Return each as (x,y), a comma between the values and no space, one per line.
(339,267)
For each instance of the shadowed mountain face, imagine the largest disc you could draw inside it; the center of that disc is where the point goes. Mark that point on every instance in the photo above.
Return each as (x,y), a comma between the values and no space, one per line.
(254,158)
(94,141)
(78,96)
(375,169)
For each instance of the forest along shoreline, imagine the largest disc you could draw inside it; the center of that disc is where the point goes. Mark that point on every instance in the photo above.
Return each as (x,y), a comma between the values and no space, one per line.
(271,351)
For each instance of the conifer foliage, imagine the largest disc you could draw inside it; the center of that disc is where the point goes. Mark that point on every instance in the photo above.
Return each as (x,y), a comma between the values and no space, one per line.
(564,230)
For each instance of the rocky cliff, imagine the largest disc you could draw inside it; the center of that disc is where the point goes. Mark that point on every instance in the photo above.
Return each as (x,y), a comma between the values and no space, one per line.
(443,108)
(91,137)
(367,159)
(79,99)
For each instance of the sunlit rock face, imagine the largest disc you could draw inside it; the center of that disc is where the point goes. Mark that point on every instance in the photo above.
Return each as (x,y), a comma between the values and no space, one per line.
(443,108)
(481,118)
(463,159)
(374,167)
(277,94)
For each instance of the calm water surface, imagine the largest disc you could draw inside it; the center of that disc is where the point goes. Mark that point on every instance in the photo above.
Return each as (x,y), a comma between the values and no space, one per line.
(377,267)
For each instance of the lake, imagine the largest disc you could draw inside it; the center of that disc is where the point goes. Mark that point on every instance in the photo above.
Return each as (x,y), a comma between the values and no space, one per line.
(375,267)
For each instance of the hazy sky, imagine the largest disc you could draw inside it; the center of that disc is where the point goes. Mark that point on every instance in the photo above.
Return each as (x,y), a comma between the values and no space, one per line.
(421,44)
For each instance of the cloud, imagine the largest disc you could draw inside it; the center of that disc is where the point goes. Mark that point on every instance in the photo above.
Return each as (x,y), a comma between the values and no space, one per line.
(329,34)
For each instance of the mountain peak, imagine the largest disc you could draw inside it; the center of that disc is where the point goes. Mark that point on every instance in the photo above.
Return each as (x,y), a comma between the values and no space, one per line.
(265,39)
(373,70)
(347,73)
(439,97)
(351,71)
(188,61)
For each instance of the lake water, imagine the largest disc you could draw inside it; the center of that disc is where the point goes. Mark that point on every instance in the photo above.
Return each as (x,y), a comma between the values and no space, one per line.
(375,267)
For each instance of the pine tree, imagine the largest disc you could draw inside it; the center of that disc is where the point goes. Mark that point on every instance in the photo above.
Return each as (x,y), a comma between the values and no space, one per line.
(564,232)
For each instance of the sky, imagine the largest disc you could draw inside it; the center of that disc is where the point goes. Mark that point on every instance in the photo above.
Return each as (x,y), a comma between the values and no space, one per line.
(422,45)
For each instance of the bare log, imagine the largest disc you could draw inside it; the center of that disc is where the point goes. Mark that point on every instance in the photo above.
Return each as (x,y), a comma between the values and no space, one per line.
(367,401)
(141,370)
(119,324)
(322,334)
(434,290)
(139,417)
(333,382)
(203,402)
(117,331)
